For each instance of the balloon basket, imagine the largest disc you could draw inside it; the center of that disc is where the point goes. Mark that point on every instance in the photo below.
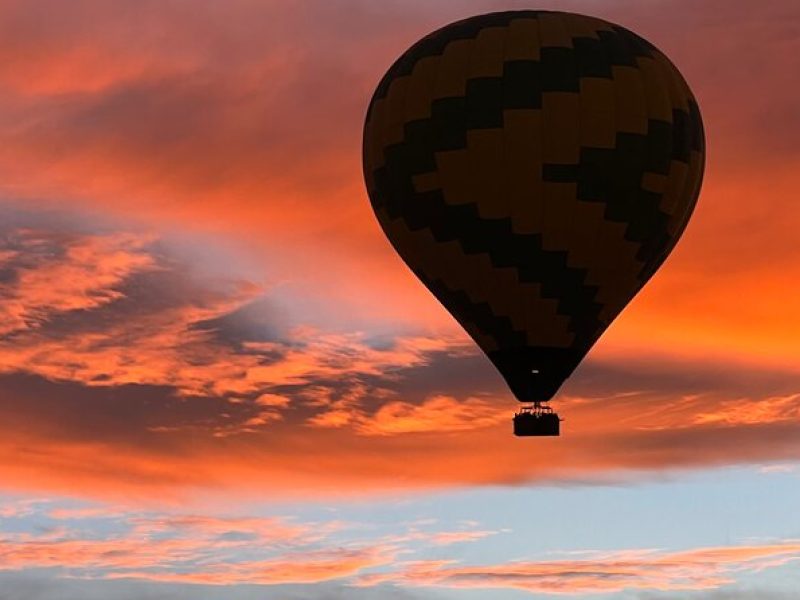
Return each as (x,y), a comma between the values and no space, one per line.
(536,420)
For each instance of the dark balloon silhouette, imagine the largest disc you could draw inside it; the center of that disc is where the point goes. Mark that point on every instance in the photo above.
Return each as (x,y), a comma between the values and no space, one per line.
(533,169)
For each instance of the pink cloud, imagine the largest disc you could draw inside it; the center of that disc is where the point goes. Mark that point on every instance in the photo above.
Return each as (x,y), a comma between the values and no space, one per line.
(57,274)
(154,543)
(311,567)
(162,344)
(697,569)
(206,549)
(231,550)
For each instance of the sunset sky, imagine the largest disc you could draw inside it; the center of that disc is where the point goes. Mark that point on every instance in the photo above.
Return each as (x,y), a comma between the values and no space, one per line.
(218,381)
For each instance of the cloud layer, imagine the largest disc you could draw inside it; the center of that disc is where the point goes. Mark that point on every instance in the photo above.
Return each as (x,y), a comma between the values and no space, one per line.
(696,569)
(113,543)
(127,367)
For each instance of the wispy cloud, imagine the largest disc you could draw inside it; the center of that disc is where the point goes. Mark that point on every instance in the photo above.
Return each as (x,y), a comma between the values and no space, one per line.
(307,567)
(696,569)
(49,273)
(437,414)
(125,328)
(96,542)
(113,542)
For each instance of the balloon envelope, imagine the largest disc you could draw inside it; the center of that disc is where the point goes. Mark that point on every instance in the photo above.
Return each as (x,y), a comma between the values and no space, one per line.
(533,169)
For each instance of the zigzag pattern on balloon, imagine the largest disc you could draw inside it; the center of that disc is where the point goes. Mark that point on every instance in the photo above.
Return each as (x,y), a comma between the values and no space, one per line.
(565,151)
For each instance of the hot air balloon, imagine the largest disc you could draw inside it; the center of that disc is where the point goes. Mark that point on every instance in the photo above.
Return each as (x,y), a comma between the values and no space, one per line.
(533,169)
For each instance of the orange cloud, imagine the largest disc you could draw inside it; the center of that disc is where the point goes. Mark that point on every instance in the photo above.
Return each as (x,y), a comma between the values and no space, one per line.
(193,556)
(312,567)
(704,568)
(244,122)
(150,541)
(133,376)
(163,344)
(232,550)
(268,531)
(603,438)
(442,538)
(61,274)
(438,414)
(203,549)
(769,410)
(195,119)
